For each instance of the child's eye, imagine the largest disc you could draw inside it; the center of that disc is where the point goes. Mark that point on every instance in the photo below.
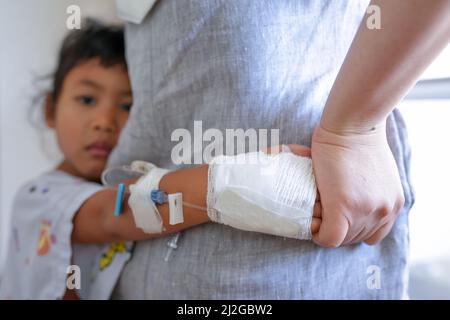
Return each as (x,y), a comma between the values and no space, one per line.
(125,106)
(87,100)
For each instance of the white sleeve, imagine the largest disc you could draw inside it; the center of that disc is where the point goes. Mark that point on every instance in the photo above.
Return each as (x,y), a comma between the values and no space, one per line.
(40,250)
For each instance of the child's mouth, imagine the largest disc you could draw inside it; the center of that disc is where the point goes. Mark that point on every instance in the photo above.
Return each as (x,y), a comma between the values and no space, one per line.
(99,149)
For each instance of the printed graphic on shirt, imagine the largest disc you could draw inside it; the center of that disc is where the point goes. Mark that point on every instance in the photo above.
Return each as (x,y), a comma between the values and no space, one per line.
(108,256)
(45,240)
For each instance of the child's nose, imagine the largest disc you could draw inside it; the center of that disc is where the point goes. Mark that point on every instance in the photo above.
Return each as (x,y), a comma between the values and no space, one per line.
(105,120)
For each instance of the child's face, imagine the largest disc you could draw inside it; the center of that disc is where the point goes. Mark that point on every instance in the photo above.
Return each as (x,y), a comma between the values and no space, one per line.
(91,110)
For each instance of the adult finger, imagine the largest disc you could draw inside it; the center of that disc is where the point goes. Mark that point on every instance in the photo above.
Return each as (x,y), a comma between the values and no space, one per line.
(333,230)
(380,234)
(317,210)
(315,225)
(300,150)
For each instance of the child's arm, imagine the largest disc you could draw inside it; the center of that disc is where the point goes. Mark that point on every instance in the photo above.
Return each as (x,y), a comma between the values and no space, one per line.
(95,221)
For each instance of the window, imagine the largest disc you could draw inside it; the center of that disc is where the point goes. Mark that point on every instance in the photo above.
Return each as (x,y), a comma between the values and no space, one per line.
(426,111)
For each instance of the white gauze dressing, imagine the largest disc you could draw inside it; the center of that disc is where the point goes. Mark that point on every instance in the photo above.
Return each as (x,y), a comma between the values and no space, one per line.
(273,194)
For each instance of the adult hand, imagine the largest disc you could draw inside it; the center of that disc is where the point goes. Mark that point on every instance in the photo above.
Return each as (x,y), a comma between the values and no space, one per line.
(359,185)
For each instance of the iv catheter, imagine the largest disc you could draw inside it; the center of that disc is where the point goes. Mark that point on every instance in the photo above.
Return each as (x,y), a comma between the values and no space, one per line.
(114,178)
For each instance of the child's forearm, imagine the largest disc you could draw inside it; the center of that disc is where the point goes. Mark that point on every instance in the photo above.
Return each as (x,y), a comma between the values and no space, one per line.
(98,224)
(192,183)
(95,222)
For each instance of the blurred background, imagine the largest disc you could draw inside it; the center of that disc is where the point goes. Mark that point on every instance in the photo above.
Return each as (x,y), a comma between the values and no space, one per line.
(30,34)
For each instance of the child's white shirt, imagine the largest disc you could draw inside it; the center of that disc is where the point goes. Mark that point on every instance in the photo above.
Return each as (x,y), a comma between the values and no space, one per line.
(40,252)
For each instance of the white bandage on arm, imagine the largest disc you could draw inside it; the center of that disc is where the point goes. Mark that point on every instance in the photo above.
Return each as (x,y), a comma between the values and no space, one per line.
(145,213)
(273,194)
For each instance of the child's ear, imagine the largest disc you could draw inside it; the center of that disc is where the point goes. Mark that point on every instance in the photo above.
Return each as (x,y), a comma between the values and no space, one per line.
(49,111)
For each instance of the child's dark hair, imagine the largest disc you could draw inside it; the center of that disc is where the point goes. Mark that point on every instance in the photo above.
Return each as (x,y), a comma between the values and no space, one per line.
(93,40)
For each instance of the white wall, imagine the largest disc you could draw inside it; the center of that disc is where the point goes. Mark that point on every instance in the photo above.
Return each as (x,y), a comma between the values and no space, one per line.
(30,35)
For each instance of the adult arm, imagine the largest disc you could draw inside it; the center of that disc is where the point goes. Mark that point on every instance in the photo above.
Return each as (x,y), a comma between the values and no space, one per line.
(355,171)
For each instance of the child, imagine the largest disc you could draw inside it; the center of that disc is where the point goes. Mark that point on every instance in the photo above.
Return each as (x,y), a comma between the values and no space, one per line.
(65,217)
